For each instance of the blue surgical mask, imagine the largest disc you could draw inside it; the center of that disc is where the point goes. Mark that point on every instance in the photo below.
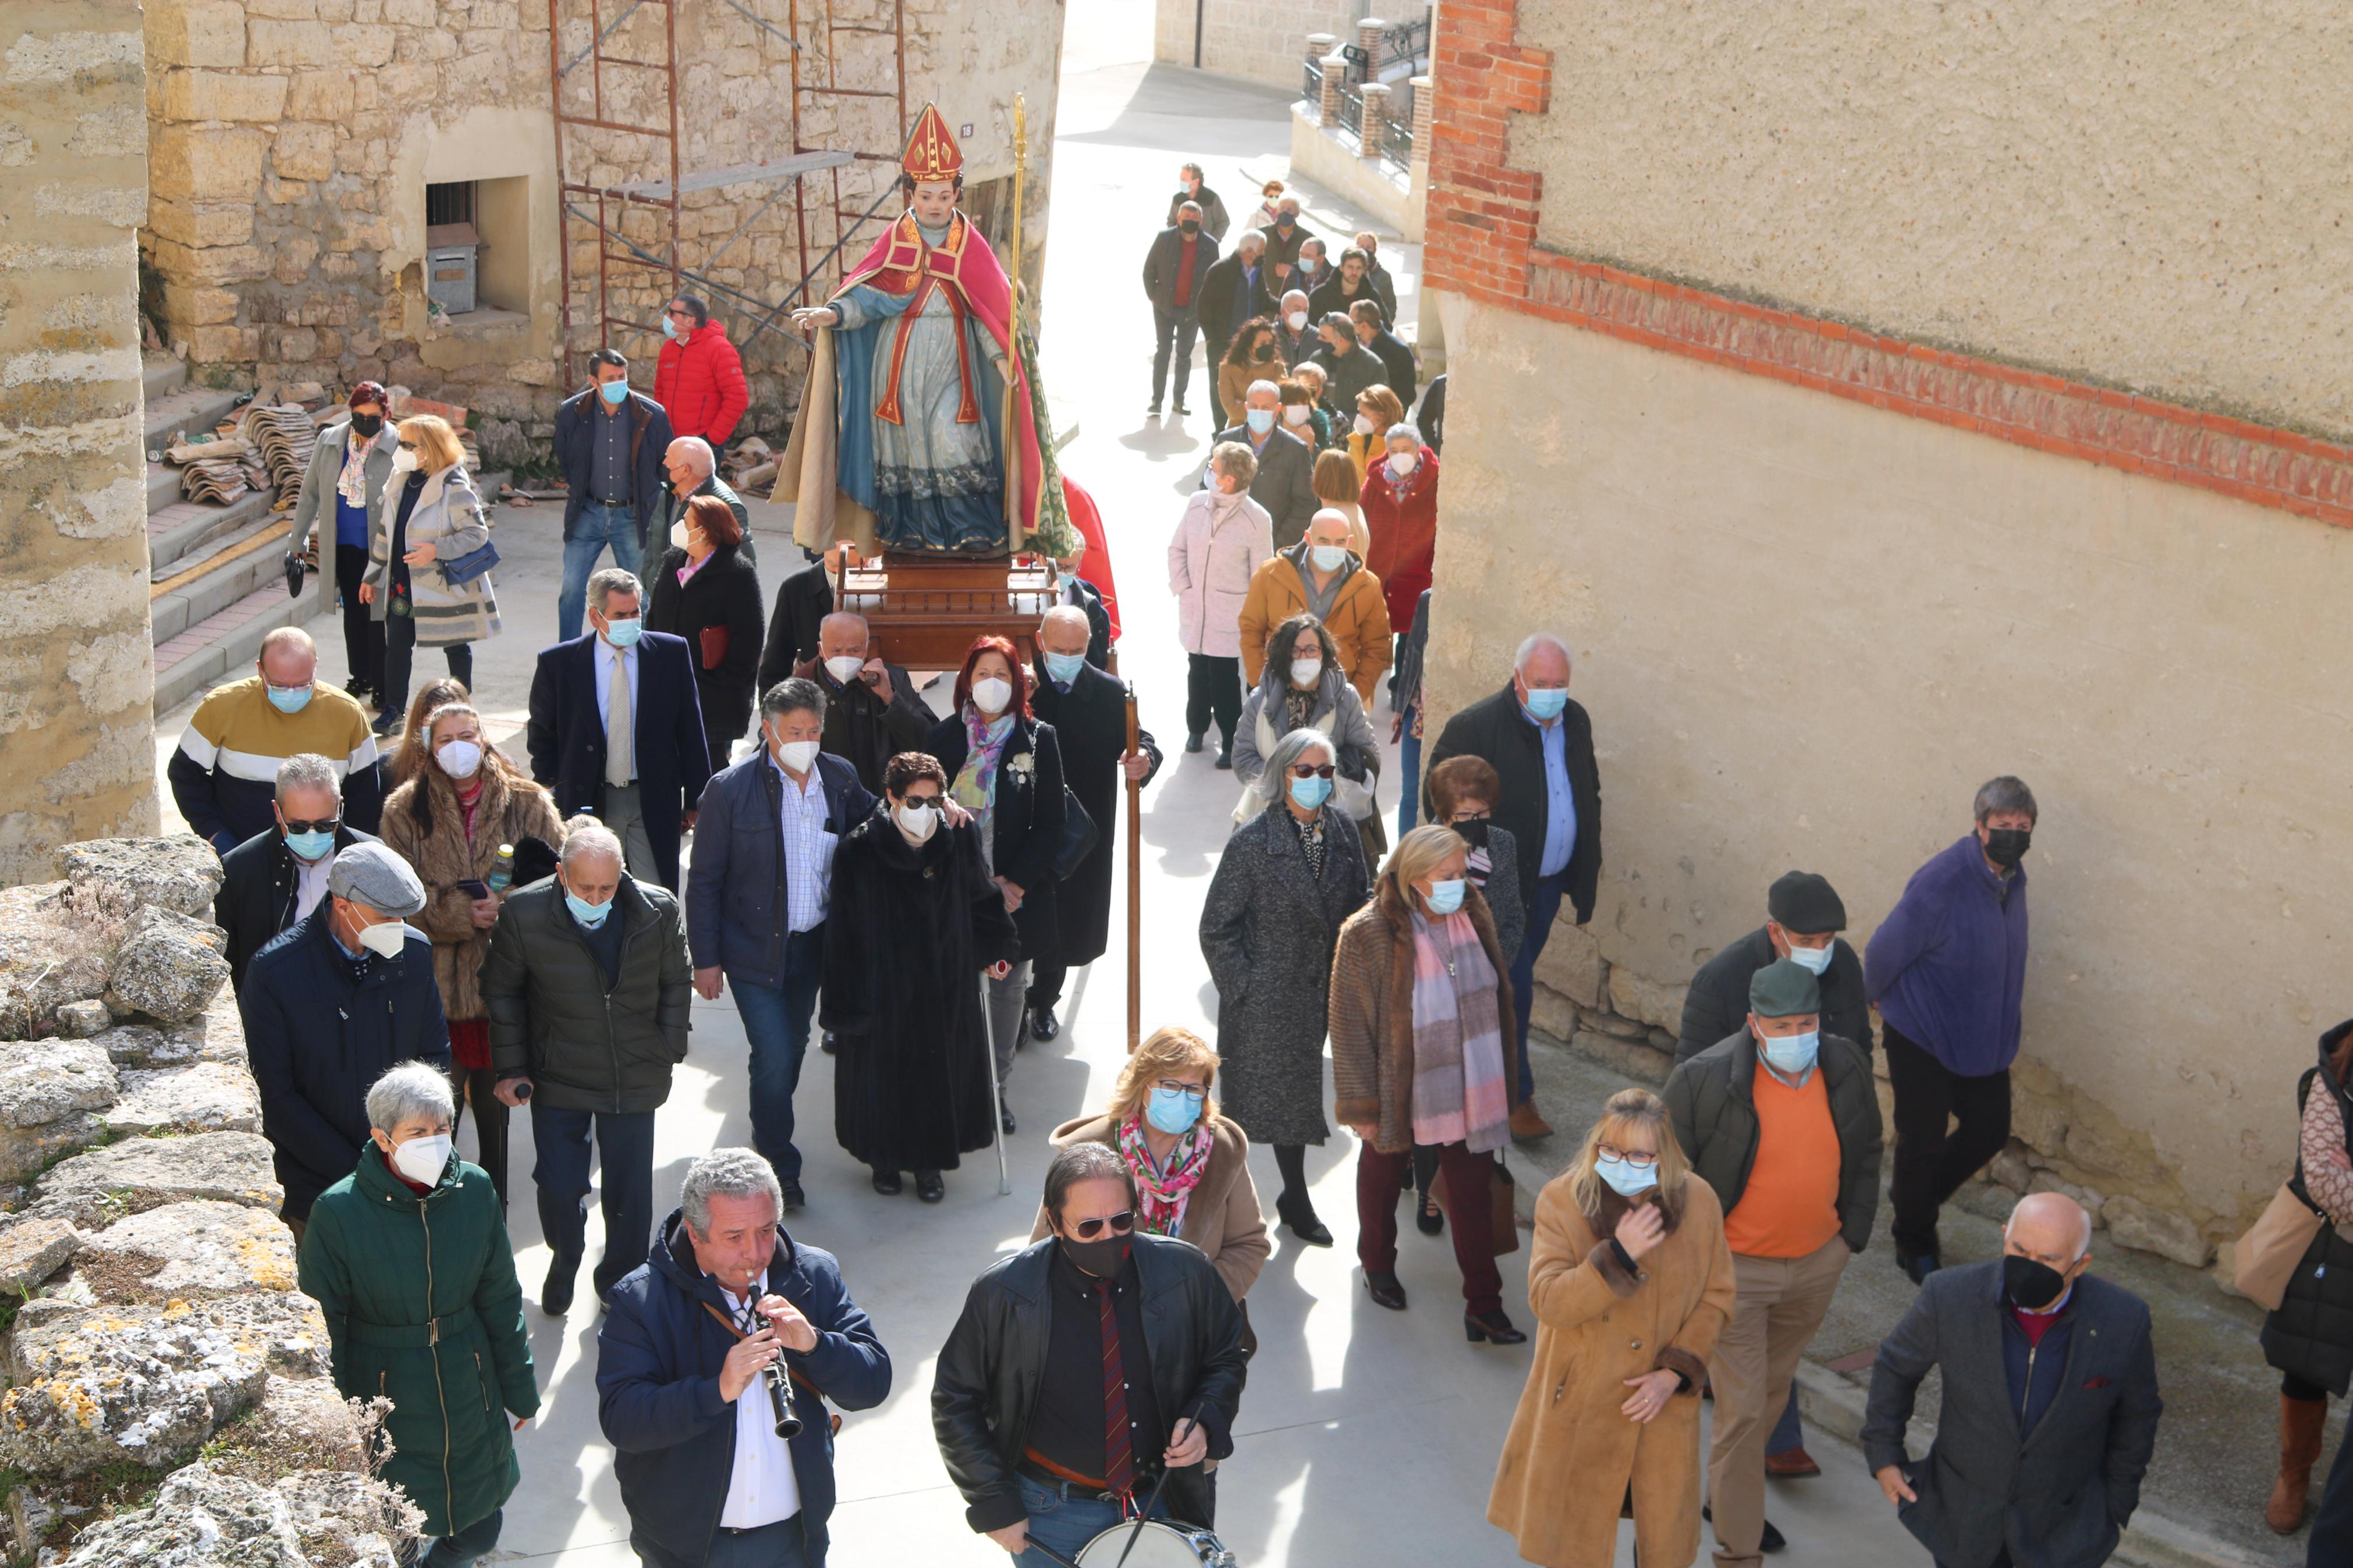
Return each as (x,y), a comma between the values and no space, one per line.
(1627,1181)
(1328,557)
(1547,701)
(1065,667)
(290,699)
(625,634)
(1172,1110)
(1261,420)
(1812,960)
(1311,793)
(588,914)
(1445,896)
(1791,1054)
(669,328)
(310,846)
(615,391)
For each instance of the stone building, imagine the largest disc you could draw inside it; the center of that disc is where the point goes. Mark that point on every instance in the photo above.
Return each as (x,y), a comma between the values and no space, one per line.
(1882,402)
(1265,43)
(315,160)
(76,748)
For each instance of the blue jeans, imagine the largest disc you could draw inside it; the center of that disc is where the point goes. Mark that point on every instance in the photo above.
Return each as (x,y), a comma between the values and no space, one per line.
(1409,772)
(1544,908)
(780,1545)
(1063,1520)
(777,1021)
(463,1548)
(625,1143)
(599,526)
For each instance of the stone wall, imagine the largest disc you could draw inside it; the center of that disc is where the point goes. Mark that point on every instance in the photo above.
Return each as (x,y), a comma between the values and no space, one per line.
(152,1314)
(1824,576)
(1263,42)
(292,141)
(77,744)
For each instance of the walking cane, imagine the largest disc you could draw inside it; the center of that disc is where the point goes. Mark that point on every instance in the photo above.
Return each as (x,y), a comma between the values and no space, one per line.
(996,1094)
(1135,888)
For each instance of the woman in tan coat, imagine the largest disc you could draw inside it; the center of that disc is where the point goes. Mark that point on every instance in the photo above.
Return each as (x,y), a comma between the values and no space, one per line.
(1631,1283)
(448,822)
(1191,1165)
(1424,1051)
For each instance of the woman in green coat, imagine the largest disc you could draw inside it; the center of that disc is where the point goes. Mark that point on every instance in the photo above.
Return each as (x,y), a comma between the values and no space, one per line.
(408,1259)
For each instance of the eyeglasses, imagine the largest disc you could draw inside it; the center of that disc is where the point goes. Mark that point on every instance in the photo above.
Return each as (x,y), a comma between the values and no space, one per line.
(1192,1092)
(324,825)
(408,445)
(1310,771)
(1120,1225)
(1640,1159)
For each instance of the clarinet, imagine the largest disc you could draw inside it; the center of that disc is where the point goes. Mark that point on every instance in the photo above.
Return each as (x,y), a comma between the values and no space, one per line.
(780,1396)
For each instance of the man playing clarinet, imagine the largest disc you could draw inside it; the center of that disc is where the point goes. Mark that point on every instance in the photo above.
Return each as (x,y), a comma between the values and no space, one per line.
(1047,1448)
(730,1335)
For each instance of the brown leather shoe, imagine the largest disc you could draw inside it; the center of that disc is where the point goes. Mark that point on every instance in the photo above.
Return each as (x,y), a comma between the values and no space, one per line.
(2301,1423)
(1791,1465)
(1526,1123)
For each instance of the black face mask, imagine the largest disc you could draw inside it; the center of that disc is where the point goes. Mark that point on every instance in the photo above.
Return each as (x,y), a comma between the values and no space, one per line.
(1189,227)
(1474,832)
(367,424)
(1263,350)
(1103,1257)
(1284,221)
(2006,846)
(2031,1285)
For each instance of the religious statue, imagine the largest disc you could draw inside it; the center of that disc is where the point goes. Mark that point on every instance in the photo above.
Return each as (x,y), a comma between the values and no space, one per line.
(919,427)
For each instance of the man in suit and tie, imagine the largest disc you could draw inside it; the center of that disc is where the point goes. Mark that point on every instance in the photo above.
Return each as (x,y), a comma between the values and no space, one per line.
(2049,1405)
(1088,711)
(615,728)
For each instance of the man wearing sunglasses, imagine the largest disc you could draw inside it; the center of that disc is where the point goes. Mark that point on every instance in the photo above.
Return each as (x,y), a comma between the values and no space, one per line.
(280,875)
(1043,1444)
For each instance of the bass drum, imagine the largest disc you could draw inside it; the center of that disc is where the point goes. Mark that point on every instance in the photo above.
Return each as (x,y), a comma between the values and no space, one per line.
(1162,1544)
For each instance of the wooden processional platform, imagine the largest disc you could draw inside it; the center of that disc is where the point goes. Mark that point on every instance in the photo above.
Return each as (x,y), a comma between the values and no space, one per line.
(926,610)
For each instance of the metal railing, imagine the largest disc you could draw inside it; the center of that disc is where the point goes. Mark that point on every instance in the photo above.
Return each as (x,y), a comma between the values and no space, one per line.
(1407,44)
(1311,85)
(1397,145)
(1351,112)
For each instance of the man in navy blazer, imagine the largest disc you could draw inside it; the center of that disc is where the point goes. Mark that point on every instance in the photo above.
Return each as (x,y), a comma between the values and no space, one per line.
(2050,1406)
(756,901)
(645,787)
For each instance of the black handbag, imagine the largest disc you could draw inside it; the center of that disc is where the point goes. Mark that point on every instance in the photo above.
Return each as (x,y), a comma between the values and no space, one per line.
(1079,836)
(294,570)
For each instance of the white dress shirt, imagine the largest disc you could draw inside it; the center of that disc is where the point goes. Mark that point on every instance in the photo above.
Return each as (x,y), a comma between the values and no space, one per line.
(311,882)
(762,1488)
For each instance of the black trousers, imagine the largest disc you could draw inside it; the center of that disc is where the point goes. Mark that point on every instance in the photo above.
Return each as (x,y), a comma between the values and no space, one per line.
(1219,416)
(2332,1527)
(1213,688)
(1931,1162)
(363,633)
(478,1088)
(1046,983)
(1174,329)
(400,653)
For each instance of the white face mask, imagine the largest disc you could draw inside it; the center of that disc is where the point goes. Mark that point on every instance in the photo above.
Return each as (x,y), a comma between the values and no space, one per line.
(386,939)
(1402,463)
(1365,426)
(459,759)
(1303,671)
(1295,413)
(917,823)
(404,460)
(798,756)
(1296,322)
(844,667)
(679,536)
(422,1160)
(991,696)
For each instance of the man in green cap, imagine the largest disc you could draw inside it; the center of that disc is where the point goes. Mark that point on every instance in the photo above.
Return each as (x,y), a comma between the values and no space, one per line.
(1782,1121)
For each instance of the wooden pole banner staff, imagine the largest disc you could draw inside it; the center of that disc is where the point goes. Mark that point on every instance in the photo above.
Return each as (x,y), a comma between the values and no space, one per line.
(1135,887)
(1012,441)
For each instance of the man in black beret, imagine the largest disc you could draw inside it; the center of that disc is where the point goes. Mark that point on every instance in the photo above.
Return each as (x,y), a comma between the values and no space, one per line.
(1803,917)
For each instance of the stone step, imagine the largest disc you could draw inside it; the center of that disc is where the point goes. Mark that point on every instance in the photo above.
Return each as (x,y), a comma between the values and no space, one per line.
(238,565)
(180,527)
(227,640)
(192,410)
(162,374)
(163,487)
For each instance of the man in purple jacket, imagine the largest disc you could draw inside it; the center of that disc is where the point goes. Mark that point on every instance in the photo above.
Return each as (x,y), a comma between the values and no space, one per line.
(1946,970)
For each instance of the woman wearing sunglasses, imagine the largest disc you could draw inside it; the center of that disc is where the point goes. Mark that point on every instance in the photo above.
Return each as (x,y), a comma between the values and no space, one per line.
(1631,1283)
(1289,878)
(429,514)
(1305,686)
(914,918)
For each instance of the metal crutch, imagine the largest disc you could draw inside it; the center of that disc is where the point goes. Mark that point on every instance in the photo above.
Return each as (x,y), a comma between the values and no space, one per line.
(996,1094)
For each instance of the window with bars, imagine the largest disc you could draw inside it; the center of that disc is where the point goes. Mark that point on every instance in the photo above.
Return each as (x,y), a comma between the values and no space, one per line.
(452,203)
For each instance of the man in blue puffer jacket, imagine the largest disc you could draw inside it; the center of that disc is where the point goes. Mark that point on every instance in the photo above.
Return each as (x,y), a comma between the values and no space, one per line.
(682,1387)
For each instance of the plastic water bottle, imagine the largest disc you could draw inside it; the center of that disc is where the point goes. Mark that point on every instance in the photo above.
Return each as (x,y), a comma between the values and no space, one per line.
(502,872)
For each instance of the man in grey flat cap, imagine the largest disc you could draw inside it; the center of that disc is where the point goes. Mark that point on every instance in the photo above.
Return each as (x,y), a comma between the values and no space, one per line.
(343,994)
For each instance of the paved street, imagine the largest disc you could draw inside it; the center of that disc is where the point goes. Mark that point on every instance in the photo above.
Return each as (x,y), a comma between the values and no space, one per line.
(1366,1437)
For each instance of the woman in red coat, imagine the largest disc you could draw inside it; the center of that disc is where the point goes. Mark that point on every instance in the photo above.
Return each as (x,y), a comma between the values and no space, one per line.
(1400,506)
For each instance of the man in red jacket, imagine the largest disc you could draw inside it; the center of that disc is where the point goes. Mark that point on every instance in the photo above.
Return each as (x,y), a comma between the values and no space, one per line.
(699,379)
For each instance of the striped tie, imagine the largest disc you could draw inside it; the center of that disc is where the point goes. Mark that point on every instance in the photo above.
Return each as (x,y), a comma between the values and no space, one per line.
(1119,1463)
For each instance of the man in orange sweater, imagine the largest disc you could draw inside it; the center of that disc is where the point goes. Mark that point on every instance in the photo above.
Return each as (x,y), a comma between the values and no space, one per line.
(1782,1121)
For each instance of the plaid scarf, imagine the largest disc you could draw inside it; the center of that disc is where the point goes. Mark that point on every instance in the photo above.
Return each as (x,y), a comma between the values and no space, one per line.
(1459,1094)
(1163,1193)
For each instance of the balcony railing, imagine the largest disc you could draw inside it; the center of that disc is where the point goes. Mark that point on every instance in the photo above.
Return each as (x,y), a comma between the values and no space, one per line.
(1351,112)
(1311,85)
(1397,145)
(1407,44)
